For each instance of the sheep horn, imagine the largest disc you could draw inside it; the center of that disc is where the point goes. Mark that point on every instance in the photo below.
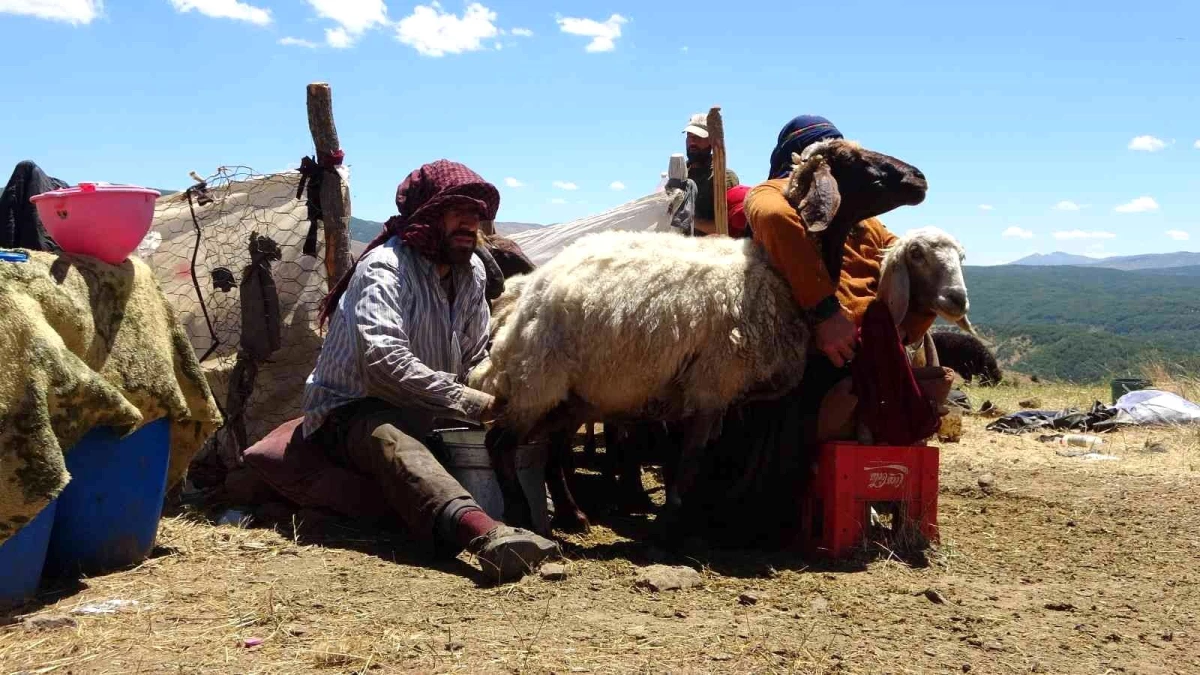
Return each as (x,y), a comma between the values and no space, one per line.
(965,324)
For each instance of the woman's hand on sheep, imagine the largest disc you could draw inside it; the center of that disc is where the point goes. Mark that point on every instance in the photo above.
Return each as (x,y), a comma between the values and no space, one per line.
(837,339)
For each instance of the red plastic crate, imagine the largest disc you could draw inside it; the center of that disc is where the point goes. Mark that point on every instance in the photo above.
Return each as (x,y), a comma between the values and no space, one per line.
(850,478)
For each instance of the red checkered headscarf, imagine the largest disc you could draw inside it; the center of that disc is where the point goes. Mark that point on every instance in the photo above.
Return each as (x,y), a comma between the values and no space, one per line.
(421,199)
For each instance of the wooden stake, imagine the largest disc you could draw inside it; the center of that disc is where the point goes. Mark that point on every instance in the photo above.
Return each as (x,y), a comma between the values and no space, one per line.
(716,134)
(335,198)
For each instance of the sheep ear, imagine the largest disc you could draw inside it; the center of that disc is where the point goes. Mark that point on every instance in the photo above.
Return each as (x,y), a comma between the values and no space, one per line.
(821,198)
(893,287)
(965,324)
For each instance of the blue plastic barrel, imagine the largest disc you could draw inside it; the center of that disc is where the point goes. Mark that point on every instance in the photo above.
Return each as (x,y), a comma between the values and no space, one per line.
(22,558)
(108,514)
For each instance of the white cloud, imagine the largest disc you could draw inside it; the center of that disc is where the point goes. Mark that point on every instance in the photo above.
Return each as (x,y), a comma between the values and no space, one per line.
(565,185)
(513,183)
(1064,235)
(68,11)
(1147,144)
(1178,235)
(1139,205)
(604,35)
(353,18)
(986,207)
(684,49)
(433,32)
(297,42)
(1196,145)
(225,9)
(558,200)
(617,185)
(522,32)
(338,38)
(1067,205)
(1017,233)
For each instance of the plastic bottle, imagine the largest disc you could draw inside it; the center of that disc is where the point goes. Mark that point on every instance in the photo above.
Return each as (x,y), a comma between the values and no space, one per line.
(1080,441)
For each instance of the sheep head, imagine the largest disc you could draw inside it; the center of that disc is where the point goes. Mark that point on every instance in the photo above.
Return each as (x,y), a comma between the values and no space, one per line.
(839,179)
(922,272)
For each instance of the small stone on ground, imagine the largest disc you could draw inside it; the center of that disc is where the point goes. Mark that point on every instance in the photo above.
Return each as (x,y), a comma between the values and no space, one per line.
(660,578)
(40,623)
(554,572)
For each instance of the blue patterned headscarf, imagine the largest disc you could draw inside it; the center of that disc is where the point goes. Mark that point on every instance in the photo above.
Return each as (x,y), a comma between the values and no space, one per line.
(797,135)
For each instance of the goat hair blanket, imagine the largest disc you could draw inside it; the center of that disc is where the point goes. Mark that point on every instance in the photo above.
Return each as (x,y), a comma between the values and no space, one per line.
(85,344)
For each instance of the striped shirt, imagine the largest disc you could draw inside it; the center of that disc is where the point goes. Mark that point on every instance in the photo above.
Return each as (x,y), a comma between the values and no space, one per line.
(396,336)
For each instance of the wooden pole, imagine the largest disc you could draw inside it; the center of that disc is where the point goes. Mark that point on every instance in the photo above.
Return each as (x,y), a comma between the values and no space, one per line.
(335,198)
(716,134)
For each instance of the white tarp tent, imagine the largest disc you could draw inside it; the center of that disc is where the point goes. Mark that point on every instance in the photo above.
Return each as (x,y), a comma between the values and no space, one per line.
(651,213)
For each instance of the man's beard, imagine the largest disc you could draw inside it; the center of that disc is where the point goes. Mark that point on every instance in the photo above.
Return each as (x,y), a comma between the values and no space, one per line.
(699,156)
(450,253)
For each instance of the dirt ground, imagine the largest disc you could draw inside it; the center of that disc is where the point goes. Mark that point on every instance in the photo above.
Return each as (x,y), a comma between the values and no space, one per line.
(1059,565)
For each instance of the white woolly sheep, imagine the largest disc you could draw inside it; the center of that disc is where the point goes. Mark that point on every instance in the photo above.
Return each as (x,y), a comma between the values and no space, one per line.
(657,326)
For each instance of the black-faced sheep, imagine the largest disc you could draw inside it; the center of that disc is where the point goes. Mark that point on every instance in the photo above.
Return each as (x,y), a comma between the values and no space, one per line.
(655,326)
(968,356)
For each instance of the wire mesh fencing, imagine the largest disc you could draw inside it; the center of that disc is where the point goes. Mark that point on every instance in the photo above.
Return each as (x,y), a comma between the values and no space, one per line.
(230,255)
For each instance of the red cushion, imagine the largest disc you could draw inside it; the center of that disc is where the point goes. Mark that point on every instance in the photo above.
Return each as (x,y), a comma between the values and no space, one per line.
(300,471)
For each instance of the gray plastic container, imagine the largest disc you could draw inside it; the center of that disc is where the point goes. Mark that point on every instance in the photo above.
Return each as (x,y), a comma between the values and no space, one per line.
(465,456)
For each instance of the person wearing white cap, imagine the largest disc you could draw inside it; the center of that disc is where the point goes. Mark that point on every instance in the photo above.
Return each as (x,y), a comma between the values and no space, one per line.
(700,171)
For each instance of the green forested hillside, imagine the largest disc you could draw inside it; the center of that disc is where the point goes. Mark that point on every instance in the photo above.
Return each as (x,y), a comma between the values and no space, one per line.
(1085,324)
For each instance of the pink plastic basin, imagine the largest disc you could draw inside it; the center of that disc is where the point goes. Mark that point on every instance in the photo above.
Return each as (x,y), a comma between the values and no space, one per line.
(100,220)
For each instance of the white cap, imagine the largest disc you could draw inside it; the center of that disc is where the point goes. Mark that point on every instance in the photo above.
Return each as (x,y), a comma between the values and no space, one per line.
(698,125)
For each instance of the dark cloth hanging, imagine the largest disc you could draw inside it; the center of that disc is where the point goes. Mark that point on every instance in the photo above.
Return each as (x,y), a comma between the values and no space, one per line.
(20,226)
(260,300)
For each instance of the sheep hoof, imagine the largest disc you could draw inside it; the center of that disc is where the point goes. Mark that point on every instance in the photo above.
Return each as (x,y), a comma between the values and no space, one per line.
(668,531)
(636,501)
(572,521)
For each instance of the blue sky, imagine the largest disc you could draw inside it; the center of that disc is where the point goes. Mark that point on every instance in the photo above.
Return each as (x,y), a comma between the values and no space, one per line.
(1041,126)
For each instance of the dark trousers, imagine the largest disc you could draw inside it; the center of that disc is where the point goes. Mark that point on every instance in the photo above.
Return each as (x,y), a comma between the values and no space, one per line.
(386,443)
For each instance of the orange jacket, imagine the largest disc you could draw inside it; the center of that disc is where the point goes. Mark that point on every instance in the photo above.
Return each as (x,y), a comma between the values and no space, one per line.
(778,228)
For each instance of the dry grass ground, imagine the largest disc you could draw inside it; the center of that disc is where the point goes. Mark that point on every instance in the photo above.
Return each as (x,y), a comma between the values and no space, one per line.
(1062,565)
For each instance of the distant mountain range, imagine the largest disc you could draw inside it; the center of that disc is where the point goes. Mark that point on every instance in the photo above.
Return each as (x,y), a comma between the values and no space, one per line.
(1129,263)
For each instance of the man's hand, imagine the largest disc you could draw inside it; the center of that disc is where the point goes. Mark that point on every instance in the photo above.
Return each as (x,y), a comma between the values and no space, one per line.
(836,339)
(491,411)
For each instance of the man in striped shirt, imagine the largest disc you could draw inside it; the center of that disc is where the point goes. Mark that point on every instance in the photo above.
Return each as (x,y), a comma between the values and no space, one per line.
(406,324)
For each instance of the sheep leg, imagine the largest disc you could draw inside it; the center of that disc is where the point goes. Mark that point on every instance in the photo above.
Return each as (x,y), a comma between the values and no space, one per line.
(502,443)
(627,459)
(700,430)
(567,514)
(589,442)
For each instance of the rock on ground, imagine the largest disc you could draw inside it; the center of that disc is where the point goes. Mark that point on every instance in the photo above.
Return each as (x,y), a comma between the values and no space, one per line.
(660,578)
